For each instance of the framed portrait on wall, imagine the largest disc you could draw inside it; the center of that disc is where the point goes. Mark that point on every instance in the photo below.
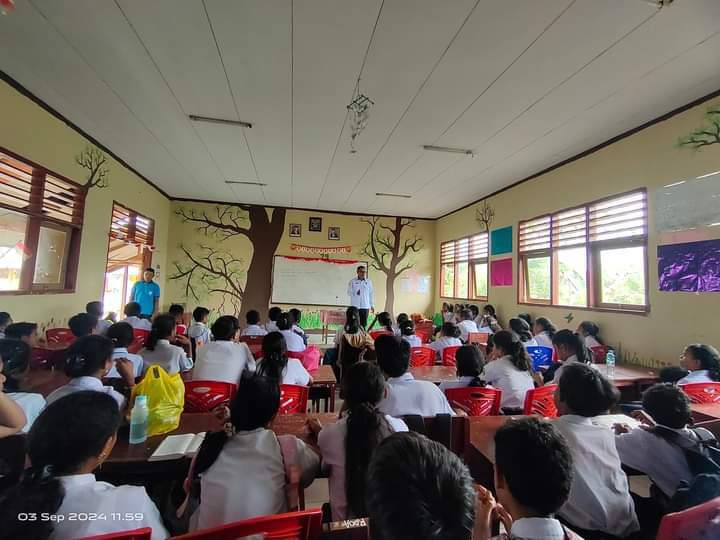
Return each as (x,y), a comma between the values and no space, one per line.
(295,230)
(333,233)
(315,224)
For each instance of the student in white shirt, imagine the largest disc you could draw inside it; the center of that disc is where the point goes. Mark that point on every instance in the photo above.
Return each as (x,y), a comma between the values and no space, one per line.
(488,320)
(276,365)
(294,342)
(466,325)
(509,370)
(407,333)
(242,469)
(5,321)
(295,316)
(132,317)
(522,329)
(599,497)
(223,359)
(469,365)
(15,362)
(96,310)
(273,315)
(591,332)
(121,335)
(703,362)
(88,362)
(570,349)
(449,335)
(384,321)
(82,324)
(447,313)
(70,440)
(12,417)
(405,395)
(348,444)
(544,331)
(198,330)
(159,351)
(402,318)
(533,475)
(253,328)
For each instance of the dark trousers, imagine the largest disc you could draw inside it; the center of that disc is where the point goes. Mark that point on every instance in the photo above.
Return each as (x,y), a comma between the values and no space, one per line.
(363,316)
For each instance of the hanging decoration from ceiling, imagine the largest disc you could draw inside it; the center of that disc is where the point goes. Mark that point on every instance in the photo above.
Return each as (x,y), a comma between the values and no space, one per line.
(6,6)
(359,109)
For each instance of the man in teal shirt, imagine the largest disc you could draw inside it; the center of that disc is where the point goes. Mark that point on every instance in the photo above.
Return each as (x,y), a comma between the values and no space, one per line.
(147,294)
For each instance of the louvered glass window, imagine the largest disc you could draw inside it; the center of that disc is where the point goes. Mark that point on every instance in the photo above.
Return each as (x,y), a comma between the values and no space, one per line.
(463,267)
(130,227)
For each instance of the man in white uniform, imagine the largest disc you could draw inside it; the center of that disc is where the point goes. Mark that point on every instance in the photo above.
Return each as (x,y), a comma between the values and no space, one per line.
(360,291)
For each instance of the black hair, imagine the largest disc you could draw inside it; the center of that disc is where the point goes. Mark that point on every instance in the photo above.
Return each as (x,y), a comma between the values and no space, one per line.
(284,321)
(466,314)
(511,344)
(162,328)
(418,489)
(274,359)
(527,318)
(536,463)
(19,330)
(361,267)
(199,313)
(94,308)
(252,316)
(586,391)
(393,355)
(121,334)
(363,388)
(402,317)
(132,309)
(490,345)
(708,357)
(521,328)
(547,326)
(592,329)
(490,310)
(447,306)
(667,405)
(469,362)
(255,404)
(225,328)
(176,310)
(295,314)
(5,318)
(407,328)
(88,355)
(385,320)
(82,324)
(274,313)
(15,356)
(68,433)
(352,320)
(475,310)
(450,330)
(150,269)
(575,343)
(672,374)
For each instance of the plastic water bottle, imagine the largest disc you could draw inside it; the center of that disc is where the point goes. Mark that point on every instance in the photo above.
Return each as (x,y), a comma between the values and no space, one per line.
(139,420)
(610,364)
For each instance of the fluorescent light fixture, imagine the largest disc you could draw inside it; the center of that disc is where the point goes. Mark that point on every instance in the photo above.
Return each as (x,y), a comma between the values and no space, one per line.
(708,174)
(400,195)
(196,118)
(245,183)
(448,149)
(675,184)
(716,224)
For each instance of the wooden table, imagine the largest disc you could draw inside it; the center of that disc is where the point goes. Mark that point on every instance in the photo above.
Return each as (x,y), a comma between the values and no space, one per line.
(323,386)
(44,381)
(434,374)
(703,412)
(328,317)
(49,354)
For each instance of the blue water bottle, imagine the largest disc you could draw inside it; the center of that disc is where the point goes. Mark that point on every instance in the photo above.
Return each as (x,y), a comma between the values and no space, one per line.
(139,420)
(610,364)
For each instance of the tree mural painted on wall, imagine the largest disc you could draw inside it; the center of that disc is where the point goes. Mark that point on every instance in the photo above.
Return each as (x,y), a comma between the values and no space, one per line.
(216,271)
(706,135)
(94,161)
(389,253)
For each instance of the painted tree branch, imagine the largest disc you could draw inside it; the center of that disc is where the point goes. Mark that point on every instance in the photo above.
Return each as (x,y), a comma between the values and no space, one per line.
(706,135)
(485,216)
(92,159)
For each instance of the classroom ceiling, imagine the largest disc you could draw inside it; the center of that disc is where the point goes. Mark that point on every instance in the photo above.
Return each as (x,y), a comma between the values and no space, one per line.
(523,83)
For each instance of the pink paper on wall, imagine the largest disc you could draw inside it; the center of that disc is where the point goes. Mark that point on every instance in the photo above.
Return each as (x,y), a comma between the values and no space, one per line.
(501,273)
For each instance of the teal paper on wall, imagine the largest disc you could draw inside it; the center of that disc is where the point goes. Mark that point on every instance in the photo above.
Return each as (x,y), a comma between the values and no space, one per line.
(501,241)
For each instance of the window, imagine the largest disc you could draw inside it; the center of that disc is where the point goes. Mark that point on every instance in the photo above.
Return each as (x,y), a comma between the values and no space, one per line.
(40,226)
(464,268)
(593,256)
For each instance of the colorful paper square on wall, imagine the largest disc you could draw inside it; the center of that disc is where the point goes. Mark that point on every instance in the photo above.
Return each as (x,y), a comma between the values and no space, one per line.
(501,273)
(501,241)
(689,267)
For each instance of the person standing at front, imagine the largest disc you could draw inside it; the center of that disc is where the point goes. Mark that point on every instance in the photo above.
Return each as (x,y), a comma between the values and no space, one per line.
(147,294)
(361,293)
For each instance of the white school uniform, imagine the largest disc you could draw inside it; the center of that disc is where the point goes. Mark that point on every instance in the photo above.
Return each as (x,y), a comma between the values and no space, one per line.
(331,441)
(599,495)
(591,342)
(2,334)
(538,529)
(294,342)
(31,404)
(664,463)
(460,382)
(543,340)
(449,316)
(129,504)
(254,330)
(569,360)
(80,384)
(440,343)
(503,375)
(697,376)
(122,352)
(199,332)
(361,293)
(138,323)
(102,326)
(248,479)
(294,373)
(405,395)
(271,326)
(169,357)
(295,328)
(466,327)
(223,361)
(413,340)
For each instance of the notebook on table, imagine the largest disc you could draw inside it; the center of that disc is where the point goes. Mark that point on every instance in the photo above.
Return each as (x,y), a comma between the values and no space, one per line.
(178,446)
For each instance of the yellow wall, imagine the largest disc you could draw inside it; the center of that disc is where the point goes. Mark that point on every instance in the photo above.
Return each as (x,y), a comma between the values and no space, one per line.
(31,132)
(648,159)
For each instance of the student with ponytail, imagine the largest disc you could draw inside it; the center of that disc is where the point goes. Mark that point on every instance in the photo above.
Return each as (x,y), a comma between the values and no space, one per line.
(352,333)
(242,469)
(159,352)
(703,362)
(293,341)
(69,440)
(591,333)
(544,331)
(276,365)
(449,337)
(570,349)
(88,362)
(522,329)
(469,364)
(121,335)
(347,446)
(407,333)
(15,364)
(385,322)
(509,370)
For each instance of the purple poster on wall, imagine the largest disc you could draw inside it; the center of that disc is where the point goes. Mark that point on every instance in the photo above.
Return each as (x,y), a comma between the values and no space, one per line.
(690,267)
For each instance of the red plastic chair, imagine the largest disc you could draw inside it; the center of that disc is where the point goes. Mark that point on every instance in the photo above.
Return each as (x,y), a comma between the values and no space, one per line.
(204,396)
(254,343)
(59,335)
(480,338)
(599,353)
(424,335)
(422,356)
(377,333)
(136,534)
(138,342)
(541,401)
(703,392)
(41,358)
(701,521)
(475,401)
(305,525)
(448,356)
(293,399)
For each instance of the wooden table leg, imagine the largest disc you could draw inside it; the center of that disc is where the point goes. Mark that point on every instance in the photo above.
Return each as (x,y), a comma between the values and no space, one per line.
(332,398)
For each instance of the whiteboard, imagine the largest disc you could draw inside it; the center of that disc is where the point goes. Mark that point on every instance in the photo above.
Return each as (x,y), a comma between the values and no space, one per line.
(318,282)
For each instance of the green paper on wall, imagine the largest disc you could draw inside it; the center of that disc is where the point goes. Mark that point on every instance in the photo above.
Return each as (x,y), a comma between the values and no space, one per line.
(501,241)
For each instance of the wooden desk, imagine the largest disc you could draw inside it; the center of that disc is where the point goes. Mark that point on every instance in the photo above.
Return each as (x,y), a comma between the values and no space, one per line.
(434,374)
(704,412)
(323,386)
(328,317)
(44,381)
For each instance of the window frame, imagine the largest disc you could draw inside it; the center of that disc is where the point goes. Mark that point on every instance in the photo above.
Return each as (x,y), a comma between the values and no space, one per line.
(470,261)
(593,249)
(36,219)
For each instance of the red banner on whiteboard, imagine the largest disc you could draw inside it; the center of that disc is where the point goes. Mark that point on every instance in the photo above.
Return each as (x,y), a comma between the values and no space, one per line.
(321,250)
(320,259)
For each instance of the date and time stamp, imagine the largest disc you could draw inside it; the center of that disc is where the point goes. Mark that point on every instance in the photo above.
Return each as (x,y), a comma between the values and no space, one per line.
(81,516)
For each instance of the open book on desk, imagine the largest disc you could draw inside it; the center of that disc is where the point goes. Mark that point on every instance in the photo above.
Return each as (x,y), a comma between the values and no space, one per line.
(178,446)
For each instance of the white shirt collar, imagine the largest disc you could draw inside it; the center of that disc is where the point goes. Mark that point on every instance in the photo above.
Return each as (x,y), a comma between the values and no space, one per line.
(577,419)
(73,480)
(407,376)
(120,350)
(163,342)
(90,383)
(537,528)
(571,359)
